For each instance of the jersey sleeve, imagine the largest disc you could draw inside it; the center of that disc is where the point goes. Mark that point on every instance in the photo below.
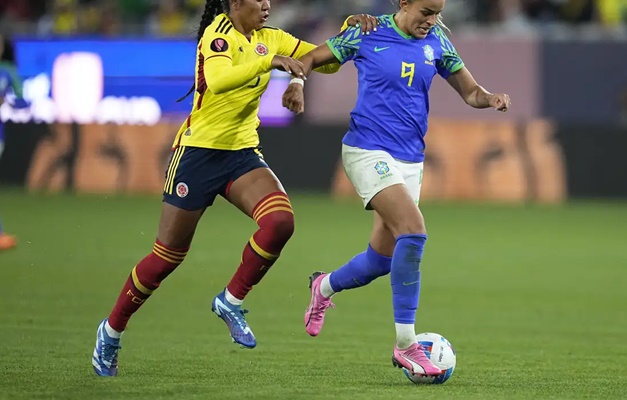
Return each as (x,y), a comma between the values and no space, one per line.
(295,48)
(14,79)
(219,72)
(16,83)
(450,62)
(345,45)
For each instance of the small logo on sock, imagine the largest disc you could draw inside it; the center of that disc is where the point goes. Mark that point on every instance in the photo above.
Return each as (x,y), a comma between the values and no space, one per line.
(181,189)
(410,283)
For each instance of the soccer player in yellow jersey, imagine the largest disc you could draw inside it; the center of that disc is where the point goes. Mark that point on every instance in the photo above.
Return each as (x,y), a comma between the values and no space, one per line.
(216,153)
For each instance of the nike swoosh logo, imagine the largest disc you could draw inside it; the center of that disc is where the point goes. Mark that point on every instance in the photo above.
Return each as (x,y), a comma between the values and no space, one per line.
(378,49)
(410,283)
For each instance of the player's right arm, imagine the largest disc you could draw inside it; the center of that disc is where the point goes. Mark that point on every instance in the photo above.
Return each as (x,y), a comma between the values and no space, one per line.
(222,76)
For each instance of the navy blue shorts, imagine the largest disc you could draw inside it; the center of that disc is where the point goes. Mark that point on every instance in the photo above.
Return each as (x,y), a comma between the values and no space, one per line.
(195,175)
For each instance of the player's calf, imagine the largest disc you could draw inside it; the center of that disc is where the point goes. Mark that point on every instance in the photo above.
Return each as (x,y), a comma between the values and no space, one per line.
(144,279)
(275,218)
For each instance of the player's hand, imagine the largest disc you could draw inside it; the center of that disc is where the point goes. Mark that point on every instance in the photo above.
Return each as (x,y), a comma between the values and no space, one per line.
(294,98)
(499,101)
(289,65)
(366,22)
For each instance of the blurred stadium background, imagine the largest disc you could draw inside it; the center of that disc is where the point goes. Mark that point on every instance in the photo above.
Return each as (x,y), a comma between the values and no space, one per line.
(525,271)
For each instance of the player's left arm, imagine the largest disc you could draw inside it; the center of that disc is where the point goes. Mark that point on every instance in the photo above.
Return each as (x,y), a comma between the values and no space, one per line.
(451,67)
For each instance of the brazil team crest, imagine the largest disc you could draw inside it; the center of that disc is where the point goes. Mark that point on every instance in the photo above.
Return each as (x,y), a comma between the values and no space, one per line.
(382,168)
(429,54)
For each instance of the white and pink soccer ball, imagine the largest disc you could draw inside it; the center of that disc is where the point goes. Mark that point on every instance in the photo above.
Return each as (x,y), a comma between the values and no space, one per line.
(441,353)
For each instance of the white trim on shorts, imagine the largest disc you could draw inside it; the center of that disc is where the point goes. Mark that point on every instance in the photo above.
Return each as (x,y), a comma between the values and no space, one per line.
(371,171)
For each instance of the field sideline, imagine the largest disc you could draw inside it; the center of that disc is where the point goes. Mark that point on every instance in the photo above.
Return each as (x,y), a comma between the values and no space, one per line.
(533,299)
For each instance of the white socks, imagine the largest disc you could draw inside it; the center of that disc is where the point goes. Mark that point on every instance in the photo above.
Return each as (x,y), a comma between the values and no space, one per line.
(325,286)
(232,299)
(405,335)
(112,332)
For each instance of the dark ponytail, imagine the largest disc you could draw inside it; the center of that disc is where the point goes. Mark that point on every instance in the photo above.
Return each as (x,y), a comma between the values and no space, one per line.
(212,9)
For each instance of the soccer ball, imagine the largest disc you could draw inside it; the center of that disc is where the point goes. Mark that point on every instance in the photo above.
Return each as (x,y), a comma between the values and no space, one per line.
(441,353)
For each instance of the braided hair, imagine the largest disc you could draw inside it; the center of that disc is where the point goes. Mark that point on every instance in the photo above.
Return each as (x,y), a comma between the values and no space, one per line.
(212,9)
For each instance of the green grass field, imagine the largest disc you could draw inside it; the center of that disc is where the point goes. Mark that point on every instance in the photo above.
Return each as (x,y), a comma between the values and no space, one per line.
(533,299)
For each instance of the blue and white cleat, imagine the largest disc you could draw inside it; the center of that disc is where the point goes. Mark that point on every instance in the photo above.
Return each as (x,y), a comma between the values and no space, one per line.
(233,316)
(105,357)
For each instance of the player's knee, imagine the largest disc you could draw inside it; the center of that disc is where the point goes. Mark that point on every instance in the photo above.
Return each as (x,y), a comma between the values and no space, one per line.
(280,224)
(408,226)
(411,230)
(155,267)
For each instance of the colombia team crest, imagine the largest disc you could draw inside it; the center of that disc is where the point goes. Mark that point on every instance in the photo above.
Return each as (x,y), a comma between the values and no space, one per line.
(181,189)
(261,49)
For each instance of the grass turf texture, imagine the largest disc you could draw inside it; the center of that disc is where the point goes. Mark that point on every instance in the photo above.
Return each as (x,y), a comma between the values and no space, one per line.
(532,298)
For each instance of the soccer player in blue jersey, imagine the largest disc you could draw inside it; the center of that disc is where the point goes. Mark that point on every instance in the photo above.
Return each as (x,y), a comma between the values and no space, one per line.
(9,81)
(383,155)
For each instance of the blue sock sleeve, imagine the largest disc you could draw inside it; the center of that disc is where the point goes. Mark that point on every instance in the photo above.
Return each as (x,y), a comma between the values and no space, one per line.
(360,270)
(405,277)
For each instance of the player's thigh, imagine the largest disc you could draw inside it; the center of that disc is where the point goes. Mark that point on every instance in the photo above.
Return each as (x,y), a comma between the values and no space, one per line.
(380,181)
(177,226)
(412,175)
(398,210)
(381,239)
(191,185)
(370,171)
(250,188)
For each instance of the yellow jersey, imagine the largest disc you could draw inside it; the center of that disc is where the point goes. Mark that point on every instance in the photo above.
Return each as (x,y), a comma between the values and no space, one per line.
(231,75)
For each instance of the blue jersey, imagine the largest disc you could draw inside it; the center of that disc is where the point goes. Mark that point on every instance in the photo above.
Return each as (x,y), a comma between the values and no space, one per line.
(395,72)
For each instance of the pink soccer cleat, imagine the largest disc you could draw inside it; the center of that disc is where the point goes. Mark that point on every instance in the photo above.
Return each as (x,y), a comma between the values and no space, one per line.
(314,316)
(414,360)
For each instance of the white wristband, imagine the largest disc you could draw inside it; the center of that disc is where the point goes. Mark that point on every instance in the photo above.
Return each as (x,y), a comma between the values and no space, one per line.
(298,80)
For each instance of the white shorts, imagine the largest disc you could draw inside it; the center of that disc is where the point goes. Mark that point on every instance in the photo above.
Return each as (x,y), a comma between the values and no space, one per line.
(371,171)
